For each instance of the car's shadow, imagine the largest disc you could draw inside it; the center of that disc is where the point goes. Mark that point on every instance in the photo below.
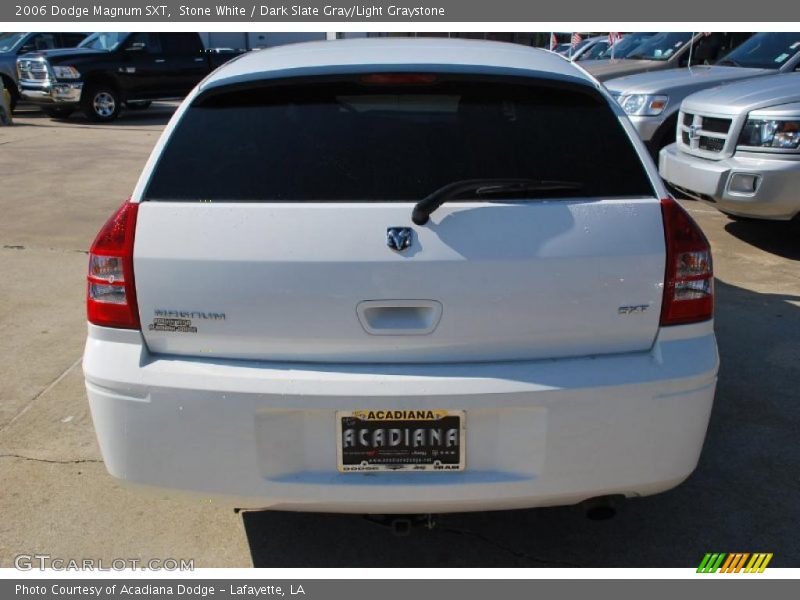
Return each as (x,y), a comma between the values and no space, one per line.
(742,497)
(158,115)
(781,238)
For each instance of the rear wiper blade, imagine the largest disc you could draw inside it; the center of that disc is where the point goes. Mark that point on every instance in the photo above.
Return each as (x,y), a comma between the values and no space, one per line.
(729,61)
(484,187)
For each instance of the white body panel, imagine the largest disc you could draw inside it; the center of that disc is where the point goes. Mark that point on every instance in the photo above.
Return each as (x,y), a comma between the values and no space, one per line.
(512,281)
(538,319)
(263,435)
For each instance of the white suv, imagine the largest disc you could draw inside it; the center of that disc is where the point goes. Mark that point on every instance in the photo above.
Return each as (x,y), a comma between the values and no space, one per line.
(396,276)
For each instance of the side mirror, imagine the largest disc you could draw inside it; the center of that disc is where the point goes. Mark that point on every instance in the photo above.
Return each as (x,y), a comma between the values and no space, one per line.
(26,48)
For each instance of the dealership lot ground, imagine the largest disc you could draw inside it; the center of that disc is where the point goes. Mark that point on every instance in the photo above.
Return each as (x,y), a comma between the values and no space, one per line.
(59,181)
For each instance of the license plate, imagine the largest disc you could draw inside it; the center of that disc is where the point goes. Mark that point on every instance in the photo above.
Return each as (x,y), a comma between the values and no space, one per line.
(400,440)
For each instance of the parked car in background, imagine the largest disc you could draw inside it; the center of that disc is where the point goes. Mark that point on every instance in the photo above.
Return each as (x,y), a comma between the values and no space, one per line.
(738,148)
(526,321)
(112,69)
(578,50)
(653,100)
(667,51)
(13,44)
(586,44)
(595,50)
(562,48)
(623,47)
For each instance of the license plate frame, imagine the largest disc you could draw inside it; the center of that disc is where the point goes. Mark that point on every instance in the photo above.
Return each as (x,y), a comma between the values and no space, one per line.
(434,452)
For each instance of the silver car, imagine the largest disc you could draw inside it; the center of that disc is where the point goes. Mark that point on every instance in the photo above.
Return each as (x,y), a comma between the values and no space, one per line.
(595,50)
(588,44)
(652,100)
(738,148)
(666,50)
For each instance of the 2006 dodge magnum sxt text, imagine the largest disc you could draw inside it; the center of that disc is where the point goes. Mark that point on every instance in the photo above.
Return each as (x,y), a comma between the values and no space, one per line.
(394,276)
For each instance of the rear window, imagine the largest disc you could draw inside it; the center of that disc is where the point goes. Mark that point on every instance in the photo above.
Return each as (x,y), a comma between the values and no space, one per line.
(349,140)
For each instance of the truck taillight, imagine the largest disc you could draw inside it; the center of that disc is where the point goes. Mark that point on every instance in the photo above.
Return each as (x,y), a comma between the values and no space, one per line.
(689,279)
(111,293)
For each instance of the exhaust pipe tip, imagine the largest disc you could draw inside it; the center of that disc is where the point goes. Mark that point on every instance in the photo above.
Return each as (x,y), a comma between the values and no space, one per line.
(601,508)
(403,525)
(601,513)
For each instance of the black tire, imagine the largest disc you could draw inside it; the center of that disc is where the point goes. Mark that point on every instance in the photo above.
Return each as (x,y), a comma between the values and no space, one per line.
(58,113)
(663,137)
(13,92)
(100,103)
(139,105)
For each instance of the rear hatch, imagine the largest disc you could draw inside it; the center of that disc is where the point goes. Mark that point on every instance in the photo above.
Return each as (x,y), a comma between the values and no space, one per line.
(274,222)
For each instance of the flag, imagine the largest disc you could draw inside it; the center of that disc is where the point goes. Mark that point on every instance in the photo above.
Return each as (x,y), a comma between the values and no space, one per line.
(553,41)
(573,42)
(613,38)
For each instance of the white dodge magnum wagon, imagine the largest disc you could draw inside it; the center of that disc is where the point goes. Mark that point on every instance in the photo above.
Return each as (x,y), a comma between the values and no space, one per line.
(400,276)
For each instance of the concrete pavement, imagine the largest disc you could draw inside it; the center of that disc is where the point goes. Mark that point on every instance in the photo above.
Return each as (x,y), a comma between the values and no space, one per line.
(59,182)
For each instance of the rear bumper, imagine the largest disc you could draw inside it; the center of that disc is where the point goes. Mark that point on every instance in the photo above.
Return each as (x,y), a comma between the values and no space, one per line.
(259,435)
(775,196)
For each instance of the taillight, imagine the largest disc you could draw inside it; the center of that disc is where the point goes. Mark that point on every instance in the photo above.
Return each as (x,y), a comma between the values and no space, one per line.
(111,294)
(689,280)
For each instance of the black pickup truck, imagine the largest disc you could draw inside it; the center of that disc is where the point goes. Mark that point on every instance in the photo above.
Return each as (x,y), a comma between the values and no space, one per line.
(110,70)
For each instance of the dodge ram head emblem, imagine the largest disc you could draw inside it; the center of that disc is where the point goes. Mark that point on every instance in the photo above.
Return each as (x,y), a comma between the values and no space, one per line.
(399,238)
(694,132)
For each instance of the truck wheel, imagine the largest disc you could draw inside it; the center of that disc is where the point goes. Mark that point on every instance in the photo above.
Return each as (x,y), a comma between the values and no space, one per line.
(100,103)
(12,92)
(14,97)
(58,113)
(141,105)
(663,137)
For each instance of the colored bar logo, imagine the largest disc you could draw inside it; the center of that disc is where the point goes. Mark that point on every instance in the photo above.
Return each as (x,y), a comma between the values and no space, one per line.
(719,562)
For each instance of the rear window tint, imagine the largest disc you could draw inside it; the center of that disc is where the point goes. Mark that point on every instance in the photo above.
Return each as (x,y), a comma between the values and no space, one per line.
(343,140)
